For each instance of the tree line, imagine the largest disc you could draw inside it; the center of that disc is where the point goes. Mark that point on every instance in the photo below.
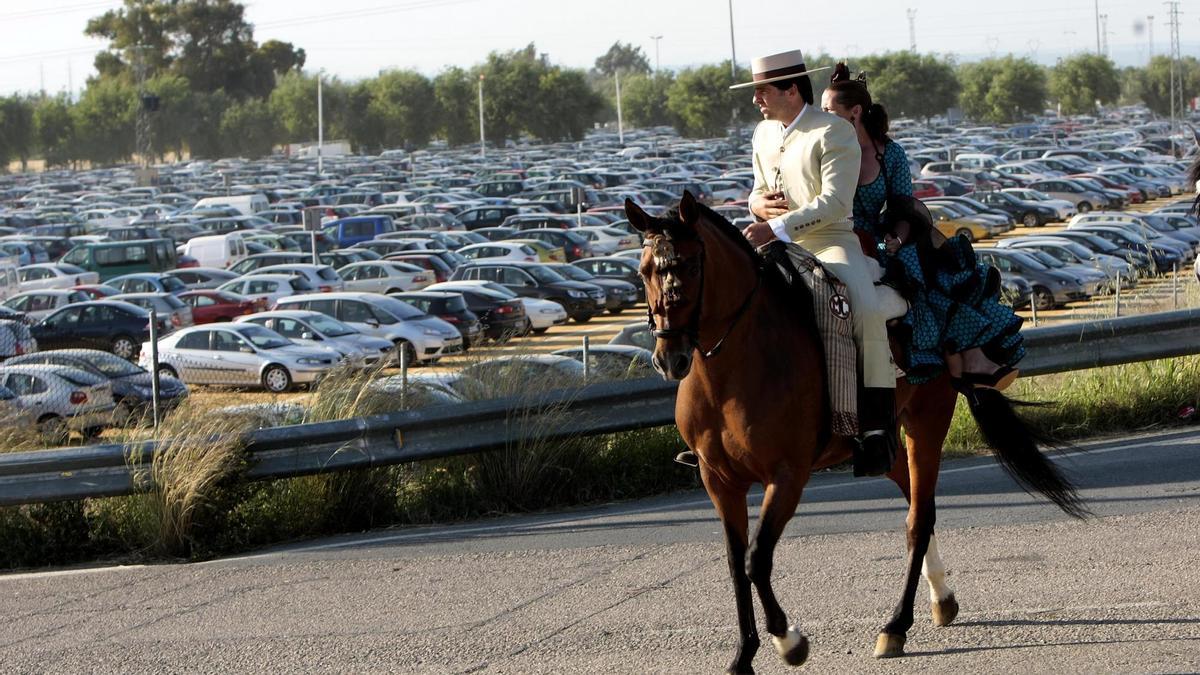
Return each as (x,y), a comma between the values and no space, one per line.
(211,90)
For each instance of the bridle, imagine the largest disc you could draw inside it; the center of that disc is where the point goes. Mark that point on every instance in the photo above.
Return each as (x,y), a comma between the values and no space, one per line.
(691,329)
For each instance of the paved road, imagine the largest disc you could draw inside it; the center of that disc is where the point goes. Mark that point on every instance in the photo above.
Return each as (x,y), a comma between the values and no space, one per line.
(642,587)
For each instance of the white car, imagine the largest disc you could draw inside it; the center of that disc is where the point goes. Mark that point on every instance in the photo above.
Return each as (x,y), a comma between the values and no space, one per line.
(240,354)
(315,329)
(41,304)
(270,288)
(499,250)
(542,314)
(60,398)
(425,338)
(607,240)
(54,275)
(384,276)
(323,278)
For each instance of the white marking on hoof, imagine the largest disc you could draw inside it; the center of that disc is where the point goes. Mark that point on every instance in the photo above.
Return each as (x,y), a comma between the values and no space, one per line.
(788,642)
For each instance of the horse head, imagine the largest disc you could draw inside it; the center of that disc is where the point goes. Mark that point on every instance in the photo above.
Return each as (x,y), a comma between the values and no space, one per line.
(673,270)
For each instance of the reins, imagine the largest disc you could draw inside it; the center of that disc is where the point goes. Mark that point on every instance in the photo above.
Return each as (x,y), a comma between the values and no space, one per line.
(692,328)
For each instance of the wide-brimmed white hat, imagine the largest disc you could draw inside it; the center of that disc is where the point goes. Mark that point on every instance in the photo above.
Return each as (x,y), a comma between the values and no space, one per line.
(776,67)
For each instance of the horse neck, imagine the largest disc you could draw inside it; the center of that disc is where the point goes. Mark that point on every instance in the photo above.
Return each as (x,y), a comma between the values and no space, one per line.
(730,275)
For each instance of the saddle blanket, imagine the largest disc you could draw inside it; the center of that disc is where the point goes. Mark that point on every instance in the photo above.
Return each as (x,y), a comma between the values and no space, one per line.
(831,305)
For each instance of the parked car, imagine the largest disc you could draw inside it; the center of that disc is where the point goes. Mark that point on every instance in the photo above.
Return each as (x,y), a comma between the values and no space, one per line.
(1084,198)
(618,295)
(318,330)
(538,315)
(165,304)
(148,283)
(131,384)
(574,245)
(240,354)
(54,275)
(450,307)
(112,259)
(616,267)
(636,334)
(429,262)
(500,250)
(522,372)
(38,305)
(323,278)
(214,305)
(268,288)
(109,325)
(261,260)
(613,362)
(384,276)
(581,300)
(1051,288)
(15,339)
(425,338)
(61,399)
(1029,214)
(347,232)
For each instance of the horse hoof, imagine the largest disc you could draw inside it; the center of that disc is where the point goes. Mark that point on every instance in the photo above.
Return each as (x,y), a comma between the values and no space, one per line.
(945,611)
(792,647)
(889,646)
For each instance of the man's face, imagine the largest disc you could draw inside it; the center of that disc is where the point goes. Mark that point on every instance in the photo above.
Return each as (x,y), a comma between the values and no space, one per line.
(776,105)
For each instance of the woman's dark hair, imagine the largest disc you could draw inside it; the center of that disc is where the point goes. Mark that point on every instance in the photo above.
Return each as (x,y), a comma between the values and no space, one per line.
(851,91)
(802,84)
(1194,177)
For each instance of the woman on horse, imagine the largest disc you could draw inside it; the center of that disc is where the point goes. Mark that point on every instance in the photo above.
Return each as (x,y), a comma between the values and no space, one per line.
(955,321)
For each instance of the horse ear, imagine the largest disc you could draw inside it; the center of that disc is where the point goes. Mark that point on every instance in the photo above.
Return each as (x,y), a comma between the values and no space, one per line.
(688,213)
(637,217)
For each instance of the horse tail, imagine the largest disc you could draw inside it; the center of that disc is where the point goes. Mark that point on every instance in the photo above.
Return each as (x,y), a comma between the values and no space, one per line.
(1015,441)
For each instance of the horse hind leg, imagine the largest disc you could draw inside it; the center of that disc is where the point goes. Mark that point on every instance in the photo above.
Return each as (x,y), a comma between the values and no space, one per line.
(941,596)
(779,503)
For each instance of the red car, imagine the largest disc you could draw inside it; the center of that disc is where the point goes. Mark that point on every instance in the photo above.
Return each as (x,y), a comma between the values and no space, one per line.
(210,306)
(923,189)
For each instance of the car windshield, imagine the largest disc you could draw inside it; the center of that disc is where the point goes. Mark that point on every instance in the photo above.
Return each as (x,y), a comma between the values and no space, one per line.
(1045,258)
(544,274)
(1079,250)
(1028,261)
(171,284)
(501,289)
(263,338)
(330,326)
(401,310)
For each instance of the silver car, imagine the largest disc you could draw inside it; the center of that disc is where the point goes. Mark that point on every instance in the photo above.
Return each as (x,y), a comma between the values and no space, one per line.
(60,398)
(315,329)
(240,354)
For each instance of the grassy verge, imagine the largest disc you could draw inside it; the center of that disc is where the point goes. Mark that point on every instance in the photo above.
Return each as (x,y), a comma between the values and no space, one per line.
(204,510)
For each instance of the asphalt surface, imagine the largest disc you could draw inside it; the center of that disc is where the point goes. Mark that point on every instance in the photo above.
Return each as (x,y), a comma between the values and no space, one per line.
(642,587)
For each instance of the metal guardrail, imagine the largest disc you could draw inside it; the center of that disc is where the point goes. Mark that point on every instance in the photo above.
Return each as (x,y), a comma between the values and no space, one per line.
(447,431)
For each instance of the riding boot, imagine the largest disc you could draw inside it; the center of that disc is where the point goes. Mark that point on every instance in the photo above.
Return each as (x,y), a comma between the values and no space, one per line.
(875,451)
(688,458)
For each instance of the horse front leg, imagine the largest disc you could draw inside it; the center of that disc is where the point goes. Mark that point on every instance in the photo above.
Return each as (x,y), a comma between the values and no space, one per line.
(779,504)
(730,503)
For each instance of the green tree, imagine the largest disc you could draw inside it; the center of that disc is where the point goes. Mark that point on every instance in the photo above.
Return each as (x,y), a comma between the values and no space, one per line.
(248,129)
(144,24)
(700,101)
(175,120)
(1002,90)
(104,121)
(1078,82)
(400,112)
(623,57)
(458,114)
(294,104)
(16,129)
(54,130)
(565,106)
(644,99)
(1156,82)
(511,83)
(909,84)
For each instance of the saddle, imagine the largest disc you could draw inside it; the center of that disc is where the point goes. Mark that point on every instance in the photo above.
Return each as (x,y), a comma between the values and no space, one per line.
(833,315)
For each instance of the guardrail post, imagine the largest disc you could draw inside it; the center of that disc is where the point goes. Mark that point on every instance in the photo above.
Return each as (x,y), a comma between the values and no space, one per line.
(403,376)
(587,367)
(154,385)
(1117,296)
(1175,286)
(1033,308)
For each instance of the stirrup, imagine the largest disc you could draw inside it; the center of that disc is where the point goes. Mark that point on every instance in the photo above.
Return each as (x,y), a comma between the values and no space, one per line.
(1000,380)
(874,454)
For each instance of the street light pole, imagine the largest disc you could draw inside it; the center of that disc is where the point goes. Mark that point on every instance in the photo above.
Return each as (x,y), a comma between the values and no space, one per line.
(320,128)
(656,38)
(620,120)
(733,114)
(482,142)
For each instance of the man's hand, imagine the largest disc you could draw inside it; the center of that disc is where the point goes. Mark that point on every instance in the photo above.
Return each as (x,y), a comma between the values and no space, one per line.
(759,233)
(768,205)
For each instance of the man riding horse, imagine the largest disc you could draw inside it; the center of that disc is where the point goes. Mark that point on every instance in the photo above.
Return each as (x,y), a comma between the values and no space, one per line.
(806,168)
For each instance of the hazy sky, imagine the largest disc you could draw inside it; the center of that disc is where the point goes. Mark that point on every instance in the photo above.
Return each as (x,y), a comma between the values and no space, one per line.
(43,41)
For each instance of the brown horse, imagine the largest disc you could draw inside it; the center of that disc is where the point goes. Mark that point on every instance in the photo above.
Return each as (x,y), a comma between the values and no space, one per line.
(753,405)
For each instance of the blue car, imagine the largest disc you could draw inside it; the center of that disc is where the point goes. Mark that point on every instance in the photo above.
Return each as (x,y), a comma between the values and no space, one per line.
(349,231)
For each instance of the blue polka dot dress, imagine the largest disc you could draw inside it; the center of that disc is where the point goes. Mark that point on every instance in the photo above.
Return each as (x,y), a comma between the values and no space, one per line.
(954,301)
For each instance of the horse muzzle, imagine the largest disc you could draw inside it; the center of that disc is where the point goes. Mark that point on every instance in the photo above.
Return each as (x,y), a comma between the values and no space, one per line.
(673,365)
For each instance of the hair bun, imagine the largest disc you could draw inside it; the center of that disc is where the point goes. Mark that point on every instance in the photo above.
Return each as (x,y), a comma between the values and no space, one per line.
(841,73)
